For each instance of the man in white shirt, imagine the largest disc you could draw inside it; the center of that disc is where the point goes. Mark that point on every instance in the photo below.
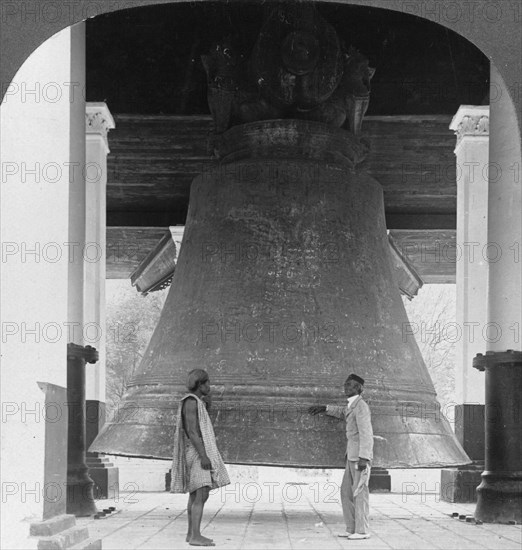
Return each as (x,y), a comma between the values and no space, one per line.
(359,454)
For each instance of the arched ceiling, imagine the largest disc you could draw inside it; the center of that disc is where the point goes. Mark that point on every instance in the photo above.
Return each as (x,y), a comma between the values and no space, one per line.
(148,60)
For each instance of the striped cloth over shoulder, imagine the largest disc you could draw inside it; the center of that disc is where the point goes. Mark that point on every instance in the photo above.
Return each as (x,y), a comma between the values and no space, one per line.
(184,467)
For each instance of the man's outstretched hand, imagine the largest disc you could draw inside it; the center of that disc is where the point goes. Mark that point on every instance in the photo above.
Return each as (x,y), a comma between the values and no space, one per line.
(316,409)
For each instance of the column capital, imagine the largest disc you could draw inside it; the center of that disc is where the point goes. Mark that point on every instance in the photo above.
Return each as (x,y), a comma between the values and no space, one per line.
(98,120)
(471,121)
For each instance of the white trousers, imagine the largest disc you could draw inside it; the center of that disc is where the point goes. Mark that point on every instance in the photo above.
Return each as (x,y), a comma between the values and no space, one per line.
(356,510)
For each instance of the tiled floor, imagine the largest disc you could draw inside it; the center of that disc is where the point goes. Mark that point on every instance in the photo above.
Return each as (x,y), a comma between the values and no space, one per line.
(251,515)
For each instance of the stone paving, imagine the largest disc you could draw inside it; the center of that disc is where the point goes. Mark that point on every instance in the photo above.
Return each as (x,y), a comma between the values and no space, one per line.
(294,515)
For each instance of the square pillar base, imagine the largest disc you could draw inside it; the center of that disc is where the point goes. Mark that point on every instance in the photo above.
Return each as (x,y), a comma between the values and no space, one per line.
(380,481)
(105,482)
(460,484)
(105,476)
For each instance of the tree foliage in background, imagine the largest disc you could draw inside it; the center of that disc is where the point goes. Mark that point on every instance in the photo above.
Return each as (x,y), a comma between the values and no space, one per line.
(131,319)
(432,317)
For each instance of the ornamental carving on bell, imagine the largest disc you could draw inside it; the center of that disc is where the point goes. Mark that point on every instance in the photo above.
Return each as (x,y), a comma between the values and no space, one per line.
(296,70)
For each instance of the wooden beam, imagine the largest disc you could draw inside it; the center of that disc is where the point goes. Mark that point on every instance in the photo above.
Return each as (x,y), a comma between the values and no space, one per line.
(427,221)
(432,253)
(143,219)
(394,220)
(154,159)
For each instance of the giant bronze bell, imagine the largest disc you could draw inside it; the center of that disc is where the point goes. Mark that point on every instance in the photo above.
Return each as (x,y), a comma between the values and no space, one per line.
(284,285)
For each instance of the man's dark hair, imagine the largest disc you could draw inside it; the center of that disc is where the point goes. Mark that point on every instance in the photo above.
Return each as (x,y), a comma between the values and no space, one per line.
(195,378)
(359,382)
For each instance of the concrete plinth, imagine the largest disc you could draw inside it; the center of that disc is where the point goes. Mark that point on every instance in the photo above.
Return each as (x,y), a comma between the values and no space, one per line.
(62,532)
(104,475)
(380,481)
(460,484)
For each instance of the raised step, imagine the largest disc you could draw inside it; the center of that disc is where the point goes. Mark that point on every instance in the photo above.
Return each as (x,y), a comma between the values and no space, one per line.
(52,526)
(89,544)
(97,456)
(98,462)
(66,539)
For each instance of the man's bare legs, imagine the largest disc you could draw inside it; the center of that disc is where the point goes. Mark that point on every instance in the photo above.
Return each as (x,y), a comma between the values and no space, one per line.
(195,506)
(192,497)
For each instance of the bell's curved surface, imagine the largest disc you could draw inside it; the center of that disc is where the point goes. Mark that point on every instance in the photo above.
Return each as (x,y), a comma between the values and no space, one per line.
(283,287)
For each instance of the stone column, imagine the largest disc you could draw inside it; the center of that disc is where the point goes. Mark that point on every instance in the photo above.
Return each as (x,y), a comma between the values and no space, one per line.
(37,130)
(77,212)
(471,126)
(80,500)
(500,493)
(98,122)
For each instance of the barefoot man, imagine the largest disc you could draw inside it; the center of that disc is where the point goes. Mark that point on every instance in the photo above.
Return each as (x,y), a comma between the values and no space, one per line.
(359,453)
(197,465)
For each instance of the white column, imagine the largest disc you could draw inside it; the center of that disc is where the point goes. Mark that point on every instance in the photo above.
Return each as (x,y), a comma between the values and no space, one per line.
(504,223)
(98,122)
(77,198)
(38,136)
(471,125)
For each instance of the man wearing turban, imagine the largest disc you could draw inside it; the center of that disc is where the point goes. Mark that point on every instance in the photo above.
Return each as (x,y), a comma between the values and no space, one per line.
(359,454)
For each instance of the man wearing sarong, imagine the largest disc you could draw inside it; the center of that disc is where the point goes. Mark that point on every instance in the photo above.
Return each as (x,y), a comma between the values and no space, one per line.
(197,466)
(359,454)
